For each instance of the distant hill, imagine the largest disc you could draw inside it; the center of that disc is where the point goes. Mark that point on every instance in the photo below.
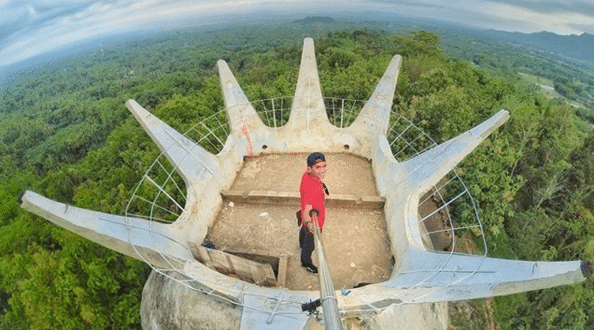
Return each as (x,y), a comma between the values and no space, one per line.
(581,47)
(315,19)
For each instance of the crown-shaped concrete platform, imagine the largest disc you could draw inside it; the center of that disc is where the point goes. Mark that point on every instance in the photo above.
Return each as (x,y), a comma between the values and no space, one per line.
(420,275)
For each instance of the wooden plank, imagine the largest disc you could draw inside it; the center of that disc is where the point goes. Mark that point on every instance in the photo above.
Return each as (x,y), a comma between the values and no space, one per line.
(258,275)
(282,271)
(257,256)
(220,258)
(200,253)
(229,264)
(242,268)
(218,267)
(269,278)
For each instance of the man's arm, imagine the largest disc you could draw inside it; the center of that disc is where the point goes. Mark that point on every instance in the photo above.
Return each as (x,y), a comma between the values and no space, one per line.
(306,217)
(311,215)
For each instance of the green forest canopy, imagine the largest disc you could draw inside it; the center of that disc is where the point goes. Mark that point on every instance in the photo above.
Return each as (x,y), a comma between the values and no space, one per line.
(66,134)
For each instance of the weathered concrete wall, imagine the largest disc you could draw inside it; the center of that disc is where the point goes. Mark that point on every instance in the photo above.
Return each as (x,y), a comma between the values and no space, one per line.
(429,316)
(169,305)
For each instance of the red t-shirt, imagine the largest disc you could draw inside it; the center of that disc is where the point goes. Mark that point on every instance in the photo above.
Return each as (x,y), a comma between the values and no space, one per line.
(312,193)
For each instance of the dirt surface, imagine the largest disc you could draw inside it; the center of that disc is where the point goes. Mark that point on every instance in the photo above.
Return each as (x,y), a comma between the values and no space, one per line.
(347,174)
(356,243)
(436,223)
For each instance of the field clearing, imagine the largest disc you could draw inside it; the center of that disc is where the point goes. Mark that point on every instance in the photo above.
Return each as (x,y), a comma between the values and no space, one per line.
(536,79)
(546,85)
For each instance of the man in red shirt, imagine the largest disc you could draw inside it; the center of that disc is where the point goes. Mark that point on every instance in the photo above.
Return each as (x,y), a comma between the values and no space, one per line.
(313,197)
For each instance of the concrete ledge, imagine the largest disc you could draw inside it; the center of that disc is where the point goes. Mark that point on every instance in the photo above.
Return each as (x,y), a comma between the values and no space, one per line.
(268,197)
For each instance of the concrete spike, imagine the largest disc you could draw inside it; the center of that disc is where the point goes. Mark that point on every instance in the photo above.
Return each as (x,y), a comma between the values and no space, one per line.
(191,160)
(426,169)
(462,277)
(239,109)
(308,110)
(157,243)
(375,115)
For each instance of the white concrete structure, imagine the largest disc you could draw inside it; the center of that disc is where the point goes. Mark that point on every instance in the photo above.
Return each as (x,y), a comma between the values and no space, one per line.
(420,275)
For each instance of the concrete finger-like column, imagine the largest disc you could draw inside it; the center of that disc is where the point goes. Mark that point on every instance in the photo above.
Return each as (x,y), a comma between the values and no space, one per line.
(239,109)
(425,170)
(431,277)
(493,275)
(156,243)
(308,110)
(190,159)
(248,132)
(203,173)
(375,115)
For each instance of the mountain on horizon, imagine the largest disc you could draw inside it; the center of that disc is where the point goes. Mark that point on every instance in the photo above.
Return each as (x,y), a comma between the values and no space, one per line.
(577,46)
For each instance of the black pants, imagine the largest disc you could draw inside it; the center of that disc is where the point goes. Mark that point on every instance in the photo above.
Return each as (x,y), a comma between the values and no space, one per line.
(307,244)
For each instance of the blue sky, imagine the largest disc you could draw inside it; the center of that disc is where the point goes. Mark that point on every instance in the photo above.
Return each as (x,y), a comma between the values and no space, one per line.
(33,27)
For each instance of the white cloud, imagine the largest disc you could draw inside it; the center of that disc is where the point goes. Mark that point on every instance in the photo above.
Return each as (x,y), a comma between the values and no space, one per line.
(557,16)
(529,20)
(31,27)
(101,18)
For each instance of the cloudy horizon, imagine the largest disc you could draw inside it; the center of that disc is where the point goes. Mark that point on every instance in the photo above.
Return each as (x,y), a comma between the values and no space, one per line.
(33,27)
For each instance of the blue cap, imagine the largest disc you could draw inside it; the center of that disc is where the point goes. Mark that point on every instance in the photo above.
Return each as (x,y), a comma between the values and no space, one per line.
(314,158)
